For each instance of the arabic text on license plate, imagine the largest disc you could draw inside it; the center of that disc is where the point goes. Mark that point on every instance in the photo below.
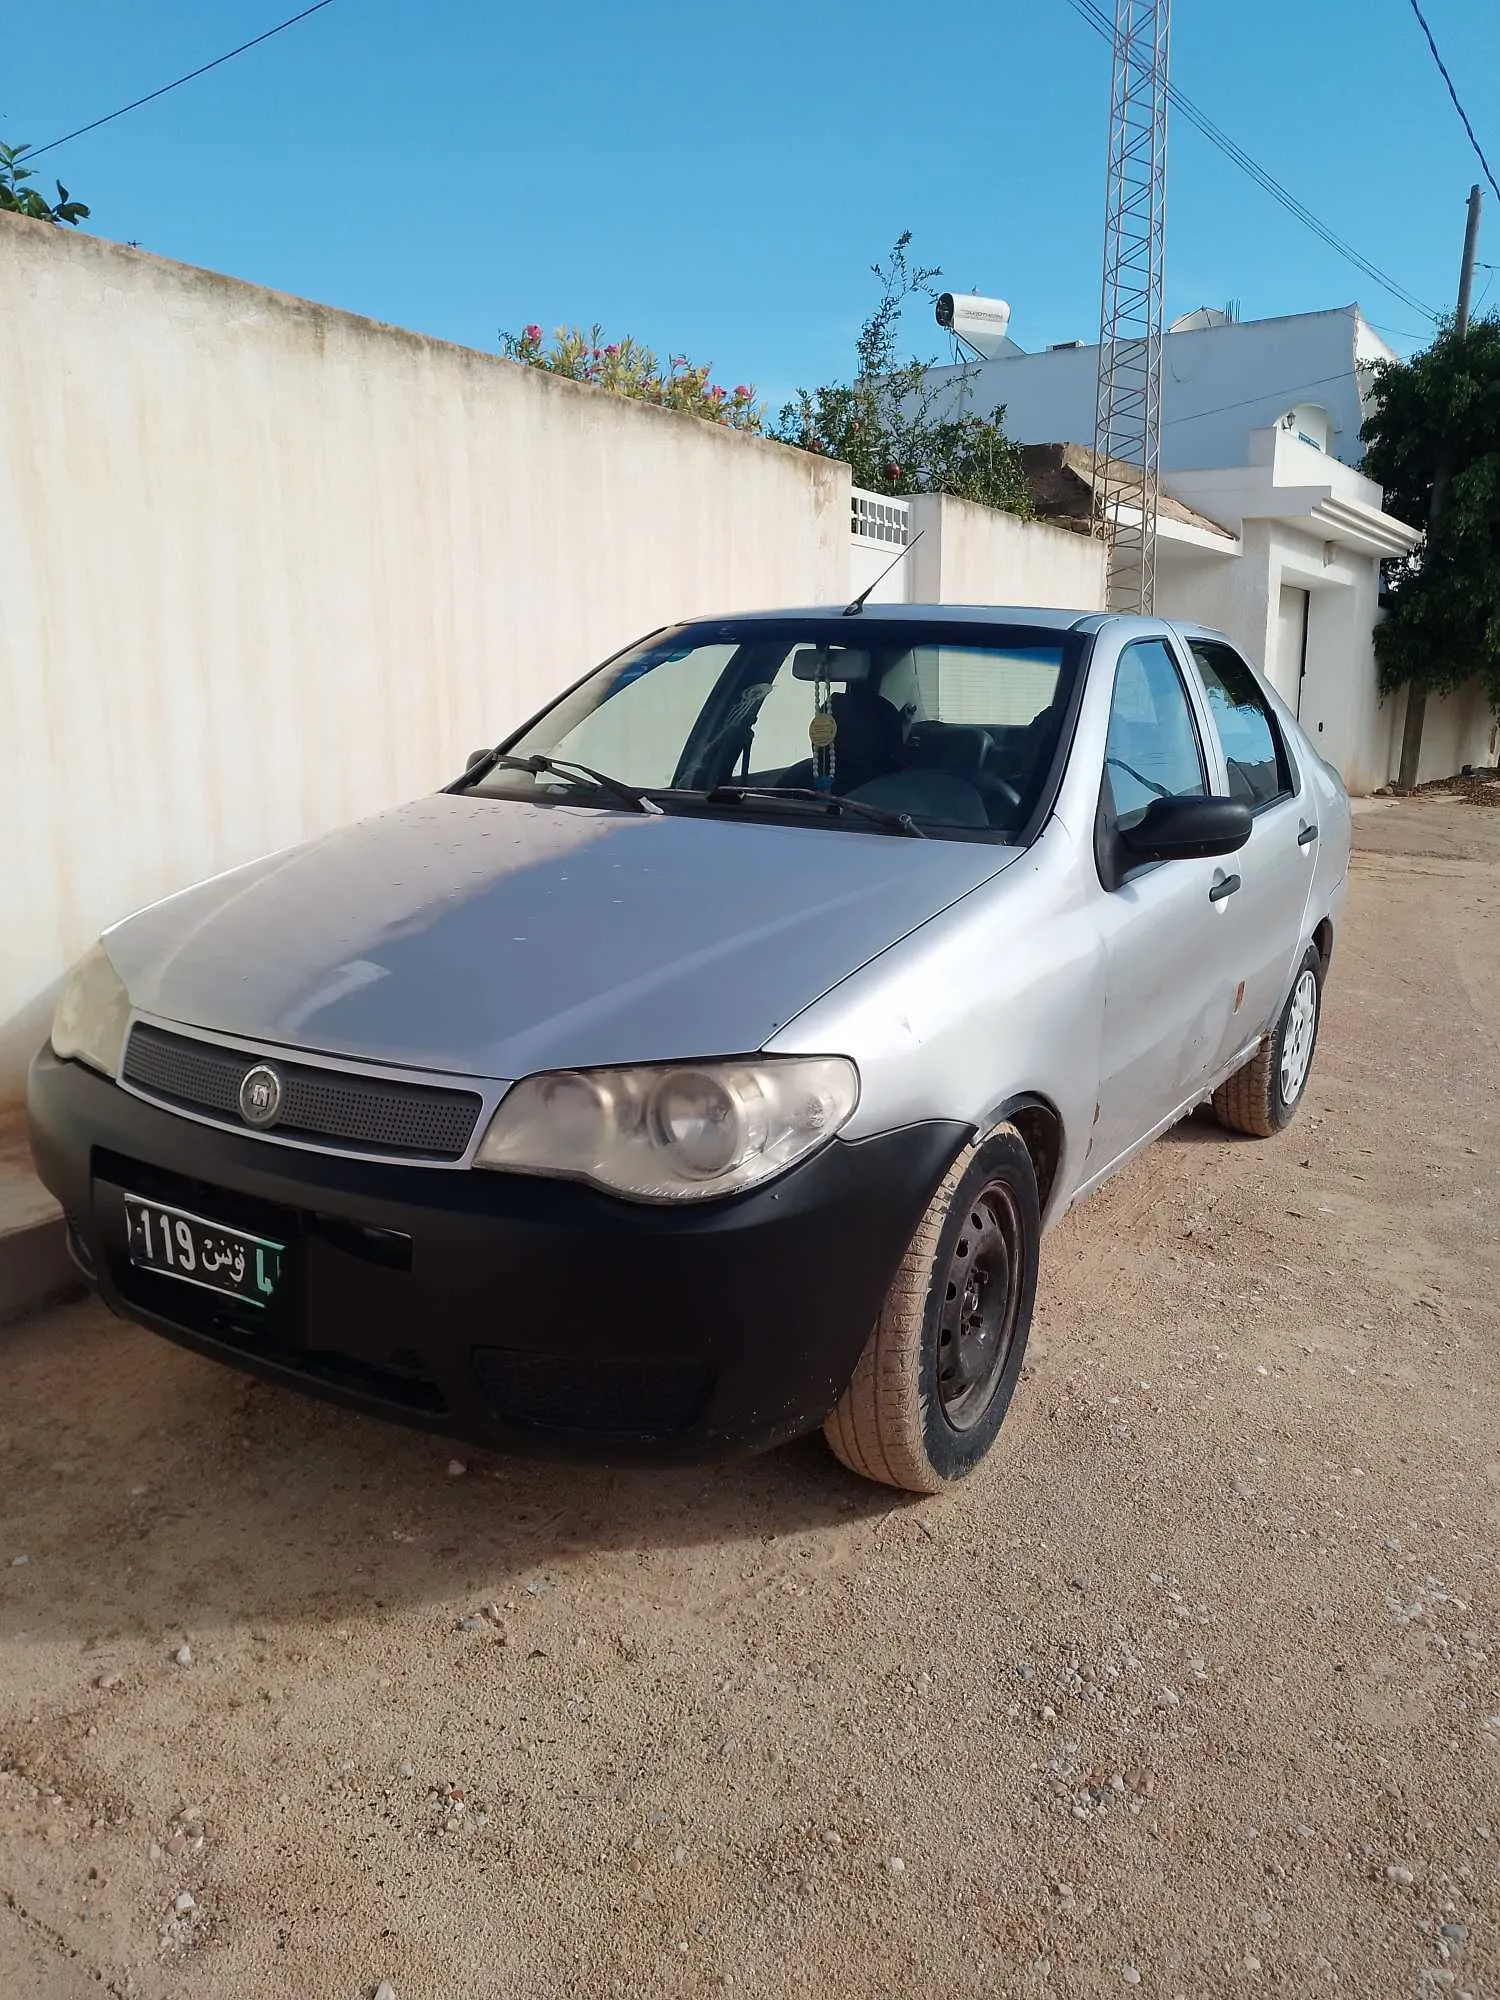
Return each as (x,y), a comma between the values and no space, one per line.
(200,1252)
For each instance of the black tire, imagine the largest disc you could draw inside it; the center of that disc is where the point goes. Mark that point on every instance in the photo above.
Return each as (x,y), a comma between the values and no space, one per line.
(1257,1099)
(937,1374)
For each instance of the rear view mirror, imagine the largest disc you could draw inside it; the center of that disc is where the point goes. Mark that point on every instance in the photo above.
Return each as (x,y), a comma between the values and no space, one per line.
(846,664)
(1187,830)
(475,757)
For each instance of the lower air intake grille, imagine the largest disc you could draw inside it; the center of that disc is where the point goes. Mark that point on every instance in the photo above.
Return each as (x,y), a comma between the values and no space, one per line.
(622,1394)
(373,1114)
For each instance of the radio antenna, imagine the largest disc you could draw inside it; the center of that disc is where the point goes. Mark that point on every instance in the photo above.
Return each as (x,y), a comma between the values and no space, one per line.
(853,610)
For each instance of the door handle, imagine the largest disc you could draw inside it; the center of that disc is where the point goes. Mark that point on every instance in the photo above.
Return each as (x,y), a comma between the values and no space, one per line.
(1225,886)
(1306,836)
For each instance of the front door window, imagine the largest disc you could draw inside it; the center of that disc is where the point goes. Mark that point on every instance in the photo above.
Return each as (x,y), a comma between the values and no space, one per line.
(1153,750)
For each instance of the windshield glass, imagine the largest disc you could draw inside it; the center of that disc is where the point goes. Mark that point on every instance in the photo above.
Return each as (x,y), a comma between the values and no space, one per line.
(955,724)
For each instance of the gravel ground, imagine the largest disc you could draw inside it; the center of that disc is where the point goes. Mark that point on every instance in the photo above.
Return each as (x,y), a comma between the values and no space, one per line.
(1195,1691)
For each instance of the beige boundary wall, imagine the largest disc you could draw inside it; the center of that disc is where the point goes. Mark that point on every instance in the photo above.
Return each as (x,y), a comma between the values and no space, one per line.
(972,555)
(267,566)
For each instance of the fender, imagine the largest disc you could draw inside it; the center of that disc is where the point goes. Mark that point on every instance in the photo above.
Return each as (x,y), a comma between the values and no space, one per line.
(1040,1125)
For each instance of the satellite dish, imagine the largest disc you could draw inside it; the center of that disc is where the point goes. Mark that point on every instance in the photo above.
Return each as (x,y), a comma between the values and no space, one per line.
(1200,320)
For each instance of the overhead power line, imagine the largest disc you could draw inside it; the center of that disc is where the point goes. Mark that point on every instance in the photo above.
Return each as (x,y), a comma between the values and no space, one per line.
(35,152)
(1269,396)
(1232,150)
(1457,106)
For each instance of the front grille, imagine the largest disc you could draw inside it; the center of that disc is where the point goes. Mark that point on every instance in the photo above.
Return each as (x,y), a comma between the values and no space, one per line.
(625,1395)
(372,1113)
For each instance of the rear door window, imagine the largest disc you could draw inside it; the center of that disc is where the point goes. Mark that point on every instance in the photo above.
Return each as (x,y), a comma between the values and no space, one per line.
(971,687)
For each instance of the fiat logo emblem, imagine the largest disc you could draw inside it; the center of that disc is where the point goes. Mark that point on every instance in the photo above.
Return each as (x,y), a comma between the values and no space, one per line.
(260,1095)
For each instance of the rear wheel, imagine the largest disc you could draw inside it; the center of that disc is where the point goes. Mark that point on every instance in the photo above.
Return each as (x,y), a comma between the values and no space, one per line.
(1262,1098)
(936,1377)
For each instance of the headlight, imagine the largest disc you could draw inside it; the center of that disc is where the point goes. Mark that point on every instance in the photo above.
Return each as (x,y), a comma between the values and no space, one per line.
(672,1134)
(92,1011)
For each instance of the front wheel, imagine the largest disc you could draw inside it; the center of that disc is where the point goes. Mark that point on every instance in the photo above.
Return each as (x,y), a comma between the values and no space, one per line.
(937,1374)
(1262,1097)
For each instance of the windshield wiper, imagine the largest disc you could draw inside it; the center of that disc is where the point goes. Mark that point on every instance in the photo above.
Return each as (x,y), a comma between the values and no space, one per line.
(832,802)
(563,767)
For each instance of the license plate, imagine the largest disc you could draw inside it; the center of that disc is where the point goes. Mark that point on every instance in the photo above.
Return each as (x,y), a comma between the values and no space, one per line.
(200,1252)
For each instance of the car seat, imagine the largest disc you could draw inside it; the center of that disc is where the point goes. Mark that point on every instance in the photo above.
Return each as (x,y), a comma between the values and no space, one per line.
(868,745)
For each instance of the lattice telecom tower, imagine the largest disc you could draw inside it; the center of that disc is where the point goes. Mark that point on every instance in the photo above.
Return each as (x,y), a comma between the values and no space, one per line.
(1127,421)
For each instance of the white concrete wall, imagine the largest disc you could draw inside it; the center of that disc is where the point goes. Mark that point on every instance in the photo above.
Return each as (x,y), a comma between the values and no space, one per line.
(972,555)
(266,567)
(1458,729)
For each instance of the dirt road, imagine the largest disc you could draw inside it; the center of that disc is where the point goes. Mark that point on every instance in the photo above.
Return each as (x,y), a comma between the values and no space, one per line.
(1196,1691)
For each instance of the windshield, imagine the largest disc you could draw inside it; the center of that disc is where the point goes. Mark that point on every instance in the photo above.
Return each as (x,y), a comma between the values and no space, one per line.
(955,725)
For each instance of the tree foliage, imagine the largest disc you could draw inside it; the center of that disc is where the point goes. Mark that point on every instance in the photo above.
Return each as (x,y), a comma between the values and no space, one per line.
(900,432)
(1437,418)
(19,199)
(627,368)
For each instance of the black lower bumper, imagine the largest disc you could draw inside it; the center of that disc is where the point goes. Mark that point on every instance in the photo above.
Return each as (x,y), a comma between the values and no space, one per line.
(527,1314)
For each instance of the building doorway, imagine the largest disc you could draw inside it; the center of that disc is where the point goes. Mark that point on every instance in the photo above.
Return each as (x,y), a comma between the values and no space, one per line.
(1291,646)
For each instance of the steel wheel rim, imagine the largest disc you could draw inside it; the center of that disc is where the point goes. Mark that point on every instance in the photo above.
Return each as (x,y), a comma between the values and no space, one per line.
(980,1306)
(1297,1041)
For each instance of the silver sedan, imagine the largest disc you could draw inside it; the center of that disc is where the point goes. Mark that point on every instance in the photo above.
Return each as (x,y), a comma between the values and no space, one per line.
(706,1064)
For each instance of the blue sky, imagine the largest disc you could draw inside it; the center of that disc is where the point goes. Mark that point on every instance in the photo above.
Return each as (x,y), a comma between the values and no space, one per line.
(719,185)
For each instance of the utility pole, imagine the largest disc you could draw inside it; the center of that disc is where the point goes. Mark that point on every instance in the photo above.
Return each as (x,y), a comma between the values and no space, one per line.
(1127,419)
(1471,247)
(1416,697)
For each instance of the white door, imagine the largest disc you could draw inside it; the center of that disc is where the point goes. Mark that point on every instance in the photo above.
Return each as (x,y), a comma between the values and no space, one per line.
(1291,647)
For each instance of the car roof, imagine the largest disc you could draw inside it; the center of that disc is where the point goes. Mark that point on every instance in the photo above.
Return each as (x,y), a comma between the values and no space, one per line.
(1127,625)
(926,614)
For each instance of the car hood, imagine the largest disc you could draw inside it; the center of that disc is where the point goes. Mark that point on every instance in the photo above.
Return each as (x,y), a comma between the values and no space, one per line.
(492,937)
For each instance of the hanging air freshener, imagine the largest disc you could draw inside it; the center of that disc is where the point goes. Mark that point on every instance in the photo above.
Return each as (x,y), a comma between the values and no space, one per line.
(821,733)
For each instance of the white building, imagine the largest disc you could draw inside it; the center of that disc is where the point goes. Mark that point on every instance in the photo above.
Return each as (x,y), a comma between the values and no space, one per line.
(1220,379)
(1276,538)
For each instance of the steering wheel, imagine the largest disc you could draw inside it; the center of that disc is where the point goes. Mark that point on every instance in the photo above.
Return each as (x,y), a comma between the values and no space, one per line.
(994,787)
(1158,791)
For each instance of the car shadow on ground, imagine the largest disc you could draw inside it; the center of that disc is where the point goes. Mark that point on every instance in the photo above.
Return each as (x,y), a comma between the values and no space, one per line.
(1200,1128)
(150,1489)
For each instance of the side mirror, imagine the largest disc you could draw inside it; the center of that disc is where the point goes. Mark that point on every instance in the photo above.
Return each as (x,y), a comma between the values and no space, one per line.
(475,757)
(1186,830)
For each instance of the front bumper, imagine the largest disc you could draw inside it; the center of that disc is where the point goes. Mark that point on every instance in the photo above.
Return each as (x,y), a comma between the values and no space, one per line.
(527,1314)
